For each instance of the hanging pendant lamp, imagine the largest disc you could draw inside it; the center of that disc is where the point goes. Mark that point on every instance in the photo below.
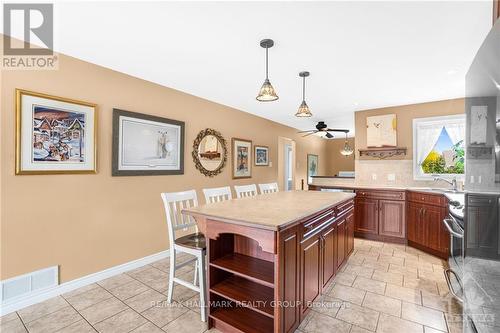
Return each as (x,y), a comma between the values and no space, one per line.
(347,150)
(303,110)
(267,92)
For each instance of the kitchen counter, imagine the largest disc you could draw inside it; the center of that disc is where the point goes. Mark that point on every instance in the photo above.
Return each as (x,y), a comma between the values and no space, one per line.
(273,211)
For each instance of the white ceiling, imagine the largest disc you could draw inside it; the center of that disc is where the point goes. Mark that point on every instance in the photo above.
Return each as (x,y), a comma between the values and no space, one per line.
(361,55)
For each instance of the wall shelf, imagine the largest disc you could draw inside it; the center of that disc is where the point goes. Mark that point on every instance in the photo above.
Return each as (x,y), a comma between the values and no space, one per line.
(383,152)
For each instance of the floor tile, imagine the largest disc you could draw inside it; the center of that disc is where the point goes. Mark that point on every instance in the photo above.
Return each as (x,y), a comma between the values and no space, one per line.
(382,303)
(424,316)
(115,281)
(9,317)
(359,270)
(193,303)
(381,266)
(442,303)
(54,321)
(389,259)
(162,265)
(348,294)
(129,290)
(80,290)
(164,313)
(13,325)
(454,322)
(145,300)
(148,328)
(124,321)
(388,277)
(421,284)
(105,309)
(322,323)
(359,316)
(188,322)
(369,285)
(88,298)
(81,326)
(328,305)
(391,324)
(44,308)
(431,330)
(182,293)
(404,294)
(347,279)
(356,329)
(153,278)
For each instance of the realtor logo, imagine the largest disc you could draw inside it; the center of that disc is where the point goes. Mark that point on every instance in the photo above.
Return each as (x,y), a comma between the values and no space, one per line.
(33,23)
(28,41)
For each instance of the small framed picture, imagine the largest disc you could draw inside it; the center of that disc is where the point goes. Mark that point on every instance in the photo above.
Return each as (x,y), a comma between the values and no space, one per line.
(312,166)
(242,158)
(261,155)
(54,134)
(145,145)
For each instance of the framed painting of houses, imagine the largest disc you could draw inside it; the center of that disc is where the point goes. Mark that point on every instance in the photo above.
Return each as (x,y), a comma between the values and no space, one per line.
(54,134)
(241,150)
(145,145)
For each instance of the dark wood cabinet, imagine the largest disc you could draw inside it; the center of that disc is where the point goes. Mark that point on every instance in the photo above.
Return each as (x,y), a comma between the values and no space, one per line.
(366,216)
(426,230)
(289,249)
(341,242)
(350,233)
(482,225)
(391,218)
(329,243)
(310,254)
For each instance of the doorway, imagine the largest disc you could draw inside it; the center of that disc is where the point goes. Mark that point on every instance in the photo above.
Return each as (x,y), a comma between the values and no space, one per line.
(286,164)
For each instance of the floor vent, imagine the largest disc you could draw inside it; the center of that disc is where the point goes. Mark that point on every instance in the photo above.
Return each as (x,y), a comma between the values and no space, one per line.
(28,284)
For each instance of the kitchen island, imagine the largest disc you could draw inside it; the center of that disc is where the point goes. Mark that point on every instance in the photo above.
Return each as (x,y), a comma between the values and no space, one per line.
(271,256)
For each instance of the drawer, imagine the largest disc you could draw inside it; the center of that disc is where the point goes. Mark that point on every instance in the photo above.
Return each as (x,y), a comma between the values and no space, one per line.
(381,194)
(310,225)
(481,200)
(426,198)
(344,208)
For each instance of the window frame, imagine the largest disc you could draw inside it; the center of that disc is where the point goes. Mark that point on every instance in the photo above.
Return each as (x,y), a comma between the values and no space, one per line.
(417,170)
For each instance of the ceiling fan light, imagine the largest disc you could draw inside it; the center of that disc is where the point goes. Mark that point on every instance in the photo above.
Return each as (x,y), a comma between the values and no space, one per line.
(303,110)
(267,92)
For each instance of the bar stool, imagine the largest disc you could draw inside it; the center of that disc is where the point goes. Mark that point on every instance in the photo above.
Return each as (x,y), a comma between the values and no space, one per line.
(217,194)
(246,191)
(193,244)
(268,188)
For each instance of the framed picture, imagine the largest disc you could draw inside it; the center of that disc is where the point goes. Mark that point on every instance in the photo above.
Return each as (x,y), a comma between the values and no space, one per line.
(381,131)
(54,135)
(261,155)
(242,158)
(312,167)
(145,145)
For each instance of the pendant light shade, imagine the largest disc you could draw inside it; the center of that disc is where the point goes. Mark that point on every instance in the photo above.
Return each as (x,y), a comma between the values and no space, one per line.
(347,150)
(303,110)
(267,92)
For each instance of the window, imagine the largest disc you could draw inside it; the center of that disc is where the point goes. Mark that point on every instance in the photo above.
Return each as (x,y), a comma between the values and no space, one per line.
(438,147)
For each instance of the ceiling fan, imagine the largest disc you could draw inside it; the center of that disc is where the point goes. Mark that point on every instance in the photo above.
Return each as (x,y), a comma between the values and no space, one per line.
(322,127)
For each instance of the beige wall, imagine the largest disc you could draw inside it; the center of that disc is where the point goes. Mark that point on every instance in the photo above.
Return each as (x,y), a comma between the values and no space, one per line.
(87,223)
(405,115)
(335,160)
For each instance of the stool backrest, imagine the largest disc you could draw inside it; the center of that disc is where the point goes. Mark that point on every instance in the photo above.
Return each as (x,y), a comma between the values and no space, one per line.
(268,188)
(217,194)
(246,191)
(174,203)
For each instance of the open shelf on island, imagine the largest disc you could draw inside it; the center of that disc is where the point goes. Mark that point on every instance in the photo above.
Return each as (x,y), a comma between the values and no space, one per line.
(257,270)
(243,319)
(246,293)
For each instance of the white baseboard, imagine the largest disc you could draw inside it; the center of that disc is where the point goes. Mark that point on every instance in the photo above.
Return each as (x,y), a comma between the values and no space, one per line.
(42,295)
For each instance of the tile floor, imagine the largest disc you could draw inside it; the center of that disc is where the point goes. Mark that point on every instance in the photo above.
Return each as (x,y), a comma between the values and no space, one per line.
(382,288)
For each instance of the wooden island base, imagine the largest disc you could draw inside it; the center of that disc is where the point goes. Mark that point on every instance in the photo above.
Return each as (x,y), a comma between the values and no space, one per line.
(265,279)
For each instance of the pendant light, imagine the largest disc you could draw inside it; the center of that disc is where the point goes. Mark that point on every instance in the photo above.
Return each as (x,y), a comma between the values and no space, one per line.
(303,110)
(267,92)
(347,150)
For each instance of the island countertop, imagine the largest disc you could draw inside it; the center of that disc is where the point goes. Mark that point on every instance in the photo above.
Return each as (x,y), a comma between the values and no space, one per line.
(273,211)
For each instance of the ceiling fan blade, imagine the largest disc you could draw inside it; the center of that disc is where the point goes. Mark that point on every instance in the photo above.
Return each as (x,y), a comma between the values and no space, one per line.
(337,130)
(306,131)
(313,132)
(328,135)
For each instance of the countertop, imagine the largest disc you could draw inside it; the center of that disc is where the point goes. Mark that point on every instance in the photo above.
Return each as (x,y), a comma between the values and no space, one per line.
(273,211)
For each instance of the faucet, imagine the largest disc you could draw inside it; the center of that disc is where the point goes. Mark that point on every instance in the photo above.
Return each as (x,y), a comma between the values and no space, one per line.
(452,182)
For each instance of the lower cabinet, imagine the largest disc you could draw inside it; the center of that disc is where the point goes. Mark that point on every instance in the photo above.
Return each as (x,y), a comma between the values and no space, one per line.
(310,267)
(392,218)
(341,242)
(329,246)
(366,216)
(482,225)
(350,233)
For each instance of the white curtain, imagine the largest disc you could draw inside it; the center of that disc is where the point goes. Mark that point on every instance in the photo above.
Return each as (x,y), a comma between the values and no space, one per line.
(456,131)
(427,137)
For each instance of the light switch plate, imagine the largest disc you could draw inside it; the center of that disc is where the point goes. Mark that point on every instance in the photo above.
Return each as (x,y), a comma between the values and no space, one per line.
(391,177)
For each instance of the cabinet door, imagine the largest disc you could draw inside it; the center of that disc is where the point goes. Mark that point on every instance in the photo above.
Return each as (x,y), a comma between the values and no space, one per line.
(414,215)
(310,256)
(391,218)
(350,233)
(366,216)
(341,242)
(290,286)
(328,254)
(434,230)
(482,224)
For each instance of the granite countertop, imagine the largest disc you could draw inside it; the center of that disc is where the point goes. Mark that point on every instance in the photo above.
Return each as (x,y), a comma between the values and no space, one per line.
(273,211)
